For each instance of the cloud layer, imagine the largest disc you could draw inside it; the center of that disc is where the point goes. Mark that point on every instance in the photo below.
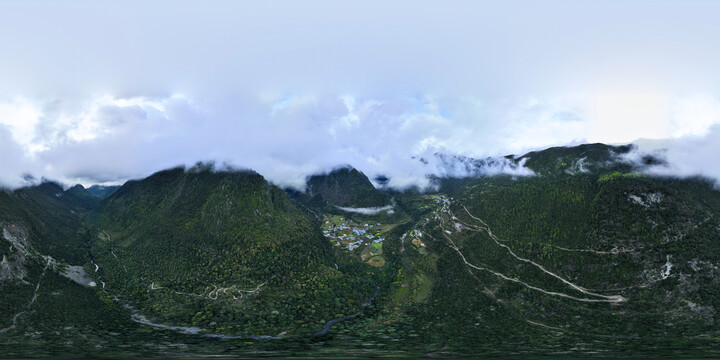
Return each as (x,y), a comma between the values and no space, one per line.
(289,88)
(285,138)
(686,156)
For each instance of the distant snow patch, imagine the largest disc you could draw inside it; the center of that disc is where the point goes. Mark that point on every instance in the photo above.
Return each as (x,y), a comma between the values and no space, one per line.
(368,211)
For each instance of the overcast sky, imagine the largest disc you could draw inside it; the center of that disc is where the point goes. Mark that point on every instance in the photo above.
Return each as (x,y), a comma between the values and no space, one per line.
(102,92)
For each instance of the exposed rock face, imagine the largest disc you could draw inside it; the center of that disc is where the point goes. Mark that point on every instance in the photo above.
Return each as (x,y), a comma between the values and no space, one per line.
(12,266)
(646,199)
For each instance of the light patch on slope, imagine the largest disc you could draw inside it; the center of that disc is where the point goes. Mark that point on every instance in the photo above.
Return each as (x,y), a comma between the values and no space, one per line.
(78,275)
(666,268)
(19,241)
(645,200)
(13,268)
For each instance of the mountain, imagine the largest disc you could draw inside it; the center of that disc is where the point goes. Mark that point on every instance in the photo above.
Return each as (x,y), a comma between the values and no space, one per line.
(81,197)
(596,255)
(49,299)
(50,217)
(568,250)
(581,158)
(345,187)
(101,191)
(224,251)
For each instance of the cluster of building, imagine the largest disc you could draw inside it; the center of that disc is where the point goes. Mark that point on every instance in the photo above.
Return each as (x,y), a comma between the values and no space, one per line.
(352,236)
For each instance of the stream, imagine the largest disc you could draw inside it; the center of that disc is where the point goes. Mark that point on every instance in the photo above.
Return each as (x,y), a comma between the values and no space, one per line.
(328,325)
(139,318)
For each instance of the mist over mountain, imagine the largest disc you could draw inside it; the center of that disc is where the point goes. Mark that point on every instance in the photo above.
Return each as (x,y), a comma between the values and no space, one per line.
(298,138)
(359,179)
(551,249)
(345,187)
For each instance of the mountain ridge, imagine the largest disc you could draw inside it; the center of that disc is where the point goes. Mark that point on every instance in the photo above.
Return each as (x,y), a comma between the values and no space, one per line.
(587,254)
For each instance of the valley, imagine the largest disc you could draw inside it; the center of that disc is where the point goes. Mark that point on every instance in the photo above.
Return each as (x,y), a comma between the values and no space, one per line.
(561,262)
(350,235)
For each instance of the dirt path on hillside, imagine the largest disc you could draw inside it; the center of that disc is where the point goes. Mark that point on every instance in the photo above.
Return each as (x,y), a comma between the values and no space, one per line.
(459,224)
(486,228)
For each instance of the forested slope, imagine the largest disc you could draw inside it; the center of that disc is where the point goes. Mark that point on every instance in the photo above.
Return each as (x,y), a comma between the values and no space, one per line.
(587,254)
(224,251)
(584,253)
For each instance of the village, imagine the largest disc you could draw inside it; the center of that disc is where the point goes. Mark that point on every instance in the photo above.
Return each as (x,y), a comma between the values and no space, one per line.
(350,235)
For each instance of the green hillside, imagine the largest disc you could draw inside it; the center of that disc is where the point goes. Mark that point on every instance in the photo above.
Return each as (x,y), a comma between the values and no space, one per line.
(51,217)
(588,255)
(598,260)
(43,248)
(224,251)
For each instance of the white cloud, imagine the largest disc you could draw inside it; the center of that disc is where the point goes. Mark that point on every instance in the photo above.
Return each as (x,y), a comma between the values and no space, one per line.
(367,211)
(692,143)
(21,117)
(13,161)
(289,104)
(293,88)
(686,156)
(624,117)
(288,138)
(109,139)
(695,115)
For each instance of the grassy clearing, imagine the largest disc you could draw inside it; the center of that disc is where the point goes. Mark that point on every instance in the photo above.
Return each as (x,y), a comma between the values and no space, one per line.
(371,251)
(378,261)
(381,229)
(422,286)
(413,290)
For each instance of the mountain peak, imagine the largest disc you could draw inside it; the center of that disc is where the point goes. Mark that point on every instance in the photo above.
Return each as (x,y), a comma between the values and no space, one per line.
(346,186)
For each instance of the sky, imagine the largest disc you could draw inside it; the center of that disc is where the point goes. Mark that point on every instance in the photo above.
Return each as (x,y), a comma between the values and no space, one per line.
(100,92)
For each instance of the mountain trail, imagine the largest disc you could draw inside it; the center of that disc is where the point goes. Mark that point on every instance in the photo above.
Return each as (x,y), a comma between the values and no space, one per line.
(485,228)
(516,280)
(609,298)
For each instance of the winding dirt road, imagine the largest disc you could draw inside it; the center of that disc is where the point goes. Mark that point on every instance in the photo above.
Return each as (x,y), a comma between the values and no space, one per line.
(592,296)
